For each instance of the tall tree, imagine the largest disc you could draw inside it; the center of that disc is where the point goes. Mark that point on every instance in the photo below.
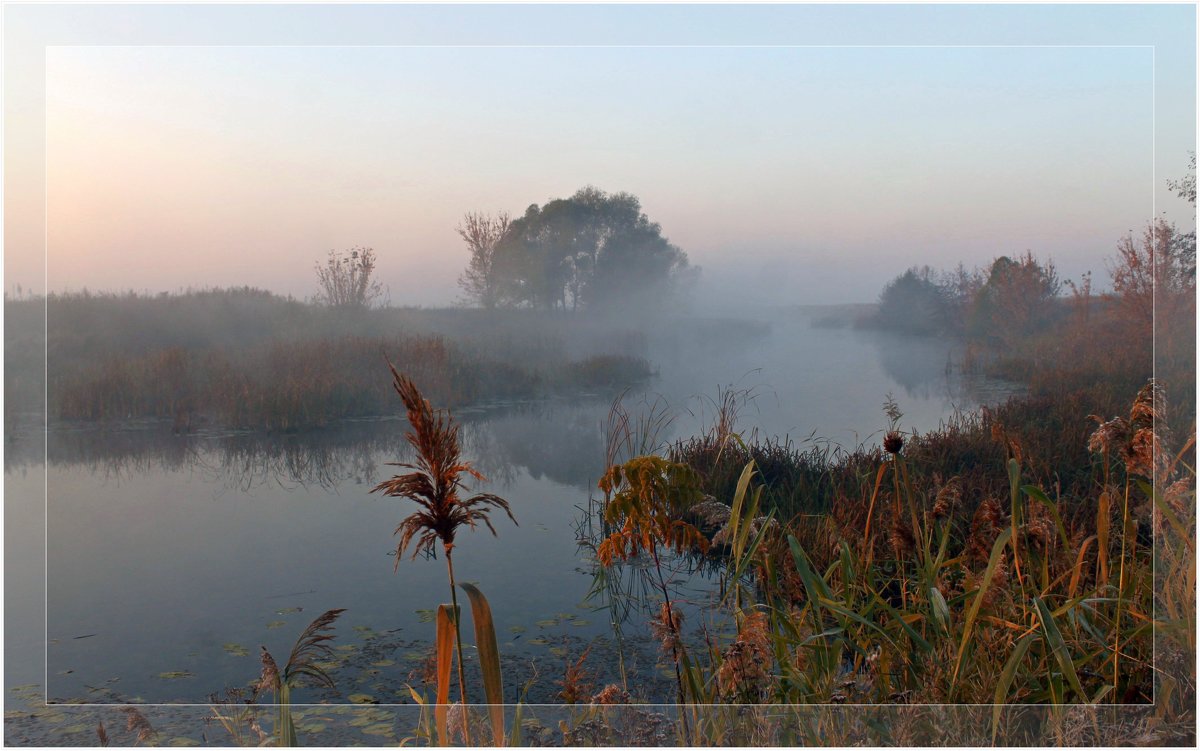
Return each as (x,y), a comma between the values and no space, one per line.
(481,232)
(592,250)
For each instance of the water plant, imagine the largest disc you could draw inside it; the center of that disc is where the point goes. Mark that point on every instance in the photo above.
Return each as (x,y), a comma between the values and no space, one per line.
(436,484)
(648,497)
(303,664)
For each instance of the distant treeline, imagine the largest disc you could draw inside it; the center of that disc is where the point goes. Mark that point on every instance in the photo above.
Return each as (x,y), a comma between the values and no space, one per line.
(245,358)
(1019,320)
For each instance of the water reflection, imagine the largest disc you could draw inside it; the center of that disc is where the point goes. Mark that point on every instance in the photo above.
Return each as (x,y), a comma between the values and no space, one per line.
(550,439)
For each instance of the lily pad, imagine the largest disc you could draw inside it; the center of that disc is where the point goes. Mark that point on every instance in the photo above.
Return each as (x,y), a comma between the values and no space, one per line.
(276,624)
(425,616)
(578,621)
(548,622)
(79,727)
(183,741)
(174,675)
(237,650)
(314,727)
(383,663)
(288,611)
(517,629)
(382,728)
(362,699)
(539,640)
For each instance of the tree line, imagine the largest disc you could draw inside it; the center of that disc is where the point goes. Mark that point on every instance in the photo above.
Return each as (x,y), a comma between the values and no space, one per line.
(1014,298)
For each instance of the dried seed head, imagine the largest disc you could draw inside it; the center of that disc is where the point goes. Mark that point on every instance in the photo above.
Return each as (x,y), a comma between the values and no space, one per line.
(1110,436)
(743,673)
(611,694)
(135,720)
(665,628)
(1176,496)
(268,679)
(947,498)
(893,442)
(902,538)
(1149,407)
(1142,455)
(985,525)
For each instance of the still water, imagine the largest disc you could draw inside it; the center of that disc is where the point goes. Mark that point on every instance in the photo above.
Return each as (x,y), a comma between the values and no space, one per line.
(170,559)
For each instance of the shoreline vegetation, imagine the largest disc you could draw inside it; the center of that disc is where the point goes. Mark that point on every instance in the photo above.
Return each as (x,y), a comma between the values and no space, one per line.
(1040,551)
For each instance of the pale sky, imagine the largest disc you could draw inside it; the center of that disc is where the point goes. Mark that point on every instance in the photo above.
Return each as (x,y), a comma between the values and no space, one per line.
(794,174)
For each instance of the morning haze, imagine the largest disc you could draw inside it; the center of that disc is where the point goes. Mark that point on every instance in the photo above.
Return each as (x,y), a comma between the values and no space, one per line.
(723,382)
(806,174)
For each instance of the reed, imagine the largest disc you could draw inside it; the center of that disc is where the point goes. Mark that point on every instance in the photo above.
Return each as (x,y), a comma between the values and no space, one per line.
(433,484)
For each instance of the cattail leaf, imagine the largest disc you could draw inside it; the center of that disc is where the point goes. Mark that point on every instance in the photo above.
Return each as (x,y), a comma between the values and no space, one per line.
(489,659)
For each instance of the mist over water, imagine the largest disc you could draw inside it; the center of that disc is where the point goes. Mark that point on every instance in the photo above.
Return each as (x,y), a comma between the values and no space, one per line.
(181,553)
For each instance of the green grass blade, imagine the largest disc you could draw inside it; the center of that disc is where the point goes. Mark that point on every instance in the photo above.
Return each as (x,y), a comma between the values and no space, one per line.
(1006,679)
(1058,647)
(973,611)
(489,659)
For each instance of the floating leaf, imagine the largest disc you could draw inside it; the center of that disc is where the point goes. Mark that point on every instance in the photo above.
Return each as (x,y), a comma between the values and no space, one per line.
(382,728)
(424,616)
(81,727)
(362,699)
(578,621)
(383,663)
(558,651)
(548,622)
(276,624)
(517,629)
(173,675)
(362,629)
(183,741)
(288,611)
(237,650)
(539,640)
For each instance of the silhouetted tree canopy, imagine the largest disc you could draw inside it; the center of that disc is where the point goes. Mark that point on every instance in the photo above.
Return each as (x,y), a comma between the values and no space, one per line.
(591,251)
(913,302)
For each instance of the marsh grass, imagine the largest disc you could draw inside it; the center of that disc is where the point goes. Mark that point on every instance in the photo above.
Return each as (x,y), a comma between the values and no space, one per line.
(984,591)
(244,358)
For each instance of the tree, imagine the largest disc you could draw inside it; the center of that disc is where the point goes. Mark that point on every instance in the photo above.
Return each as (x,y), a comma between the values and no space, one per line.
(593,250)
(1156,269)
(345,279)
(1018,299)
(913,302)
(481,232)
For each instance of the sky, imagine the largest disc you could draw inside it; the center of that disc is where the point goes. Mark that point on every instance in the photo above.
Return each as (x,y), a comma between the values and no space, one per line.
(801,154)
